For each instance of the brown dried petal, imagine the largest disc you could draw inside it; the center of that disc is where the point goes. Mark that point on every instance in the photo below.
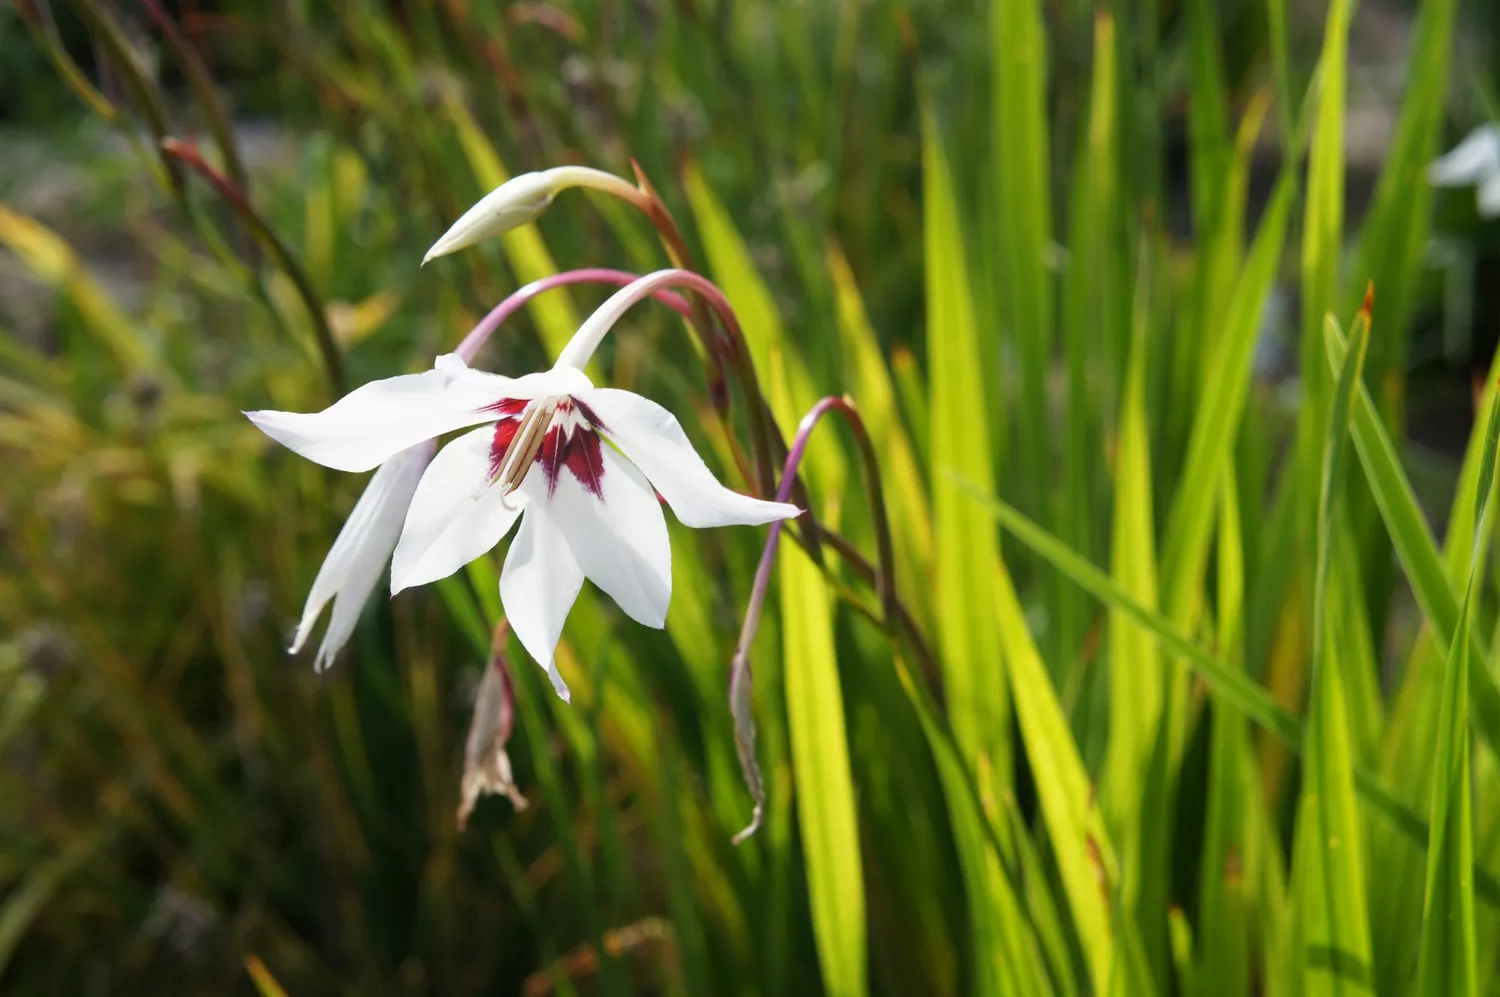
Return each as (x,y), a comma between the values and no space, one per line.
(486,764)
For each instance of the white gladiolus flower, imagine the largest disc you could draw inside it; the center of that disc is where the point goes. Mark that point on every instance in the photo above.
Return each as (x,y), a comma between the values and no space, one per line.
(579,466)
(1473,162)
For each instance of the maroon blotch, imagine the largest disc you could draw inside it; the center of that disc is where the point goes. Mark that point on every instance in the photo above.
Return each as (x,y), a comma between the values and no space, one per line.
(506,406)
(505,432)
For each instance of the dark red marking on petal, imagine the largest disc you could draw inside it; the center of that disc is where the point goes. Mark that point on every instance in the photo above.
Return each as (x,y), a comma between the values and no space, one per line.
(551,458)
(578,452)
(586,461)
(576,447)
(589,414)
(506,406)
(505,431)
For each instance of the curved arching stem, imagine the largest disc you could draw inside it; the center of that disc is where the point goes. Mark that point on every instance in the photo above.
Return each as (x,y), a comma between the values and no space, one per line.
(589,335)
(891,614)
(472,343)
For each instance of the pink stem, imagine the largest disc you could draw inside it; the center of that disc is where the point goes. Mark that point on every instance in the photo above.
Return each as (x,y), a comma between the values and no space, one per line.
(475,340)
(739,674)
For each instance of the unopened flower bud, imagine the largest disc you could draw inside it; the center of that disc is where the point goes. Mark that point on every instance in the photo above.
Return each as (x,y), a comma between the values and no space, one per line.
(519,201)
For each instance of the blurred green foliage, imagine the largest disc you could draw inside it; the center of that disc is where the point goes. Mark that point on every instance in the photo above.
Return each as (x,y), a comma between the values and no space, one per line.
(1047,247)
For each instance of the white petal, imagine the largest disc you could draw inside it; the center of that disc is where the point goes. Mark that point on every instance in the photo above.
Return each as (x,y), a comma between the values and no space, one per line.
(1489,196)
(456,514)
(1471,161)
(518,201)
(620,541)
(538,585)
(560,380)
(360,552)
(378,419)
(654,441)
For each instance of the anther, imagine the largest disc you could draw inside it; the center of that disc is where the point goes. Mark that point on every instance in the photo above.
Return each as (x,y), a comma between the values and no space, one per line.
(525,446)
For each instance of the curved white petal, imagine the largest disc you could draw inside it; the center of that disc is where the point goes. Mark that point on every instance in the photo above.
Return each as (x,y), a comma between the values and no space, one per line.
(518,201)
(360,552)
(378,419)
(654,441)
(456,514)
(591,333)
(620,541)
(1470,162)
(538,585)
(1488,196)
(381,418)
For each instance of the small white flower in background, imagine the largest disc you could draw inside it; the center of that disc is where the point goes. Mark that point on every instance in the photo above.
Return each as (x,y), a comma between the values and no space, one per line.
(359,555)
(521,201)
(579,466)
(1473,162)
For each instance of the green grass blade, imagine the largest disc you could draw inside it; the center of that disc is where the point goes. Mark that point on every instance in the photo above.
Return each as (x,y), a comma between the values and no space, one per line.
(1460,554)
(1394,236)
(1211,443)
(1415,546)
(1035,884)
(1333,464)
(1330,908)
(820,764)
(871,385)
(1350,630)
(1134,793)
(734,271)
(1223,917)
(966,551)
(1208,126)
(1091,328)
(1080,843)
(1446,954)
(1019,142)
(1227,683)
(1276,28)
(965,557)
(1322,230)
(1446,951)
(1006,955)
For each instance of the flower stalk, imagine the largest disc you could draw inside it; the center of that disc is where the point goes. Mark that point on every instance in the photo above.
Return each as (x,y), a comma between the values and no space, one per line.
(177,151)
(598,324)
(472,343)
(885,585)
